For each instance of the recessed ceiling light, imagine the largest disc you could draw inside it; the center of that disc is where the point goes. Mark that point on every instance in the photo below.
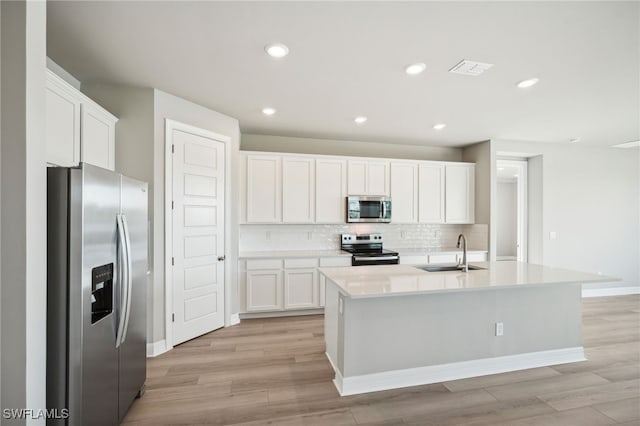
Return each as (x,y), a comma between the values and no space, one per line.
(268,111)
(415,69)
(500,168)
(277,50)
(439,126)
(633,144)
(360,119)
(527,83)
(575,140)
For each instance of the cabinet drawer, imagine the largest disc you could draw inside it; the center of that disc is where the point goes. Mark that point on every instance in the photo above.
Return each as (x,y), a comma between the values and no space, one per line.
(300,263)
(414,259)
(264,264)
(443,258)
(335,261)
(475,257)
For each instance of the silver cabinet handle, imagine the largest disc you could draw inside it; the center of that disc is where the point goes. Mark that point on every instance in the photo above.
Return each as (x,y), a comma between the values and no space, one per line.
(375,257)
(221,258)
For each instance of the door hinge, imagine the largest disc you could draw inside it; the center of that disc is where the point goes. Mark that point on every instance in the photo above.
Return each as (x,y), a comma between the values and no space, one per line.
(173,149)
(173,317)
(173,261)
(172,205)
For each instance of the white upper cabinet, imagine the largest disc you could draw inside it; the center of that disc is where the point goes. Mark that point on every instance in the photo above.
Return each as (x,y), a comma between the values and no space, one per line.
(357,177)
(62,123)
(404,192)
(264,189)
(98,136)
(77,129)
(331,190)
(368,177)
(298,190)
(459,193)
(431,193)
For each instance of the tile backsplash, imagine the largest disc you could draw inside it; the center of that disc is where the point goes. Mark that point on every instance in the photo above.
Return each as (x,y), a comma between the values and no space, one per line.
(327,237)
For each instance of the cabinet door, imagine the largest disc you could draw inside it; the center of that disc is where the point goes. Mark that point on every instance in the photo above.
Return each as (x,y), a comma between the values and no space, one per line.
(264,196)
(98,136)
(298,190)
(404,192)
(378,178)
(431,193)
(264,290)
(62,123)
(459,193)
(357,175)
(300,288)
(331,191)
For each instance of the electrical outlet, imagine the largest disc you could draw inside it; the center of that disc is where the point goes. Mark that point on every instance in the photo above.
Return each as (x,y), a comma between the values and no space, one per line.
(403,235)
(553,235)
(499,328)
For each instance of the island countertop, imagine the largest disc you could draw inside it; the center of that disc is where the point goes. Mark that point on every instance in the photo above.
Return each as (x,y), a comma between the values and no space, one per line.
(394,280)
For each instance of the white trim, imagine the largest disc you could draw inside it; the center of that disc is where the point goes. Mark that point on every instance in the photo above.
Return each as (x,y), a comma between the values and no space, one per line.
(171,125)
(522,197)
(234,319)
(454,371)
(333,365)
(276,314)
(156,348)
(611,291)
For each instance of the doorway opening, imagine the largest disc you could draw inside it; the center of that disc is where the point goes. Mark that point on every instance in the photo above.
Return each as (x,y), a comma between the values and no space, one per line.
(511,230)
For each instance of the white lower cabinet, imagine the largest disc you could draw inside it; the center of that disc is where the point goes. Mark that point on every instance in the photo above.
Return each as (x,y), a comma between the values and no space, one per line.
(264,290)
(273,285)
(301,288)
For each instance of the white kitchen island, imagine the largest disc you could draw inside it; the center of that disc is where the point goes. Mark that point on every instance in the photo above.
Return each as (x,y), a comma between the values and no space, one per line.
(392,326)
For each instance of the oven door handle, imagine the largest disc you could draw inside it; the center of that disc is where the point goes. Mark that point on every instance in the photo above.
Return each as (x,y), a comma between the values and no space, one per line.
(391,257)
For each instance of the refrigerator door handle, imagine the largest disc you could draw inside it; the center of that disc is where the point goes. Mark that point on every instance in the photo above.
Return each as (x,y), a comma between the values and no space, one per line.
(122,278)
(129,281)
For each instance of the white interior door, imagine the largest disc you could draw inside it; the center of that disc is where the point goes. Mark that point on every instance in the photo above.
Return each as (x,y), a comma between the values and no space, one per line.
(198,234)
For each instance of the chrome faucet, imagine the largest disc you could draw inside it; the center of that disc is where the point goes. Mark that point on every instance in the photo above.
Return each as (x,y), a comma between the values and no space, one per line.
(465,264)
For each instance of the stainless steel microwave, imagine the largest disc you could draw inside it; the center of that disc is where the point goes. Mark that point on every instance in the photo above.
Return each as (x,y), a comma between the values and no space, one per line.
(368,208)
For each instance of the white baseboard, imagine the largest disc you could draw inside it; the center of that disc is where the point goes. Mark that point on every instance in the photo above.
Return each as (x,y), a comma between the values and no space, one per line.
(611,291)
(454,371)
(333,365)
(272,314)
(234,319)
(156,348)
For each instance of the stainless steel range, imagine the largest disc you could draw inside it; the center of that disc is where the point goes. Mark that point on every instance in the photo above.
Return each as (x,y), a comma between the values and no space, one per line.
(366,249)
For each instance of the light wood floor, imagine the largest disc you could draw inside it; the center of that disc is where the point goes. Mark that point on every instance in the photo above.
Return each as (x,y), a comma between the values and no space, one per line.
(273,371)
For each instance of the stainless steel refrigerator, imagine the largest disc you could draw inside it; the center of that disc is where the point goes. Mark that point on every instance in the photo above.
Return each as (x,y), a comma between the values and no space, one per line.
(96,293)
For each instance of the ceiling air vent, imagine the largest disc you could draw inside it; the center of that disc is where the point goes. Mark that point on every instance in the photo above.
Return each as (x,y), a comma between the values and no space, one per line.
(466,67)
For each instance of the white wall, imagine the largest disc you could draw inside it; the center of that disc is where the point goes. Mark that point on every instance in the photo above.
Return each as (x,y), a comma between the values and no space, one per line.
(251,142)
(482,155)
(167,106)
(590,198)
(506,213)
(24,210)
(134,149)
(140,153)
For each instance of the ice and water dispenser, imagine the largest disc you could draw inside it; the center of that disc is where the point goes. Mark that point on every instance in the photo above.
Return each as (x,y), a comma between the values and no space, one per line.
(101,292)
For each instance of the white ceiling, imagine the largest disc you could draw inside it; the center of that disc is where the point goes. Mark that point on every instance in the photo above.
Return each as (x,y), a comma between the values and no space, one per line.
(348,58)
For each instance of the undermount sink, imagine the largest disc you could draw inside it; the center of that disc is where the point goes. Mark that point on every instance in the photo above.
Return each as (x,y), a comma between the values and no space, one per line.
(445,268)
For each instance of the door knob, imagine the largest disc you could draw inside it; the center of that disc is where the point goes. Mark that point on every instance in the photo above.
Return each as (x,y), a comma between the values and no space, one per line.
(221,258)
